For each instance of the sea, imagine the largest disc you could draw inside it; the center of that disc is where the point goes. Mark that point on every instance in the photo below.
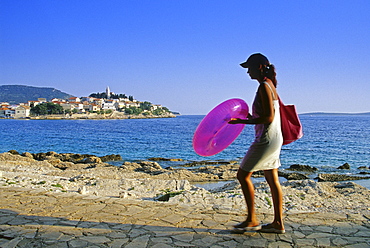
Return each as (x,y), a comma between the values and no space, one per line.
(329,141)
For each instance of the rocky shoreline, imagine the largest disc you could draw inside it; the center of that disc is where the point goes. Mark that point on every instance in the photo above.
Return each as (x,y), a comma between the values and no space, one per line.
(147,180)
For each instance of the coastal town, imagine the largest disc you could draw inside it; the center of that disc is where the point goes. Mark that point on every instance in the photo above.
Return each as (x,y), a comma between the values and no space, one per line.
(108,105)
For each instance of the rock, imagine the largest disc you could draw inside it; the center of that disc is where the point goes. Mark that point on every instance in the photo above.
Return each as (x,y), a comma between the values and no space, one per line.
(234,185)
(167,196)
(227,175)
(27,155)
(82,190)
(224,172)
(149,164)
(166,159)
(45,156)
(188,175)
(70,157)
(363,168)
(152,168)
(91,160)
(293,176)
(126,194)
(345,166)
(51,153)
(199,163)
(54,162)
(299,167)
(57,163)
(6,156)
(39,156)
(14,152)
(128,165)
(111,157)
(77,158)
(345,185)
(364,173)
(335,177)
(258,174)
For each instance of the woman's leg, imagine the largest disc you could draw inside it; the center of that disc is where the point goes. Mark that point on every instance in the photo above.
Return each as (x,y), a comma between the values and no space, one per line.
(277,197)
(248,192)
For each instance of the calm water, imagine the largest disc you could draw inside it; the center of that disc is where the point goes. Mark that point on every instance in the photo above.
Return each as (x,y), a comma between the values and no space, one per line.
(329,141)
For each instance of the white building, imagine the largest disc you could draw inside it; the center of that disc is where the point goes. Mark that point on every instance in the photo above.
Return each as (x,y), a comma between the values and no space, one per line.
(22,111)
(108,104)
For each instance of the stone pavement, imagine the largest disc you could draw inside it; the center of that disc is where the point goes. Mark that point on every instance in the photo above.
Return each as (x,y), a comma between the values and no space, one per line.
(36,218)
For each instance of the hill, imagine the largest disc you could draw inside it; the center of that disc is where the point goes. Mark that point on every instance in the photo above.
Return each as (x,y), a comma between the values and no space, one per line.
(15,94)
(324,113)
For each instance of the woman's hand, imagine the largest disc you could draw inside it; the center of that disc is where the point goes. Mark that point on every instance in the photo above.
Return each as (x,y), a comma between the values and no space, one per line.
(236,121)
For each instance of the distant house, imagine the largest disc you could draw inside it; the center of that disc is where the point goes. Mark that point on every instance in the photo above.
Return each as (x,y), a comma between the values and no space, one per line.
(6,112)
(156,106)
(99,102)
(132,104)
(78,105)
(120,105)
(57,100)
(33,103)
(67,106)
(73,105)
(109,104)
(74,99)
(87,99)
(90,106)
(22,111)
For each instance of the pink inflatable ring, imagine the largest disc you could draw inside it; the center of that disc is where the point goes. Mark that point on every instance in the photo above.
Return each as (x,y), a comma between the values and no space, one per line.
(214,133)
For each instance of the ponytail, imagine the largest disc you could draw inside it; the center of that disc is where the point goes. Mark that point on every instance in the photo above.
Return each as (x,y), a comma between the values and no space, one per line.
(270,73)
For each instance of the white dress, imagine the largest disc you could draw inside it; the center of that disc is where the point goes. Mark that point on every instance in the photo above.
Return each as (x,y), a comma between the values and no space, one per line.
(264,153)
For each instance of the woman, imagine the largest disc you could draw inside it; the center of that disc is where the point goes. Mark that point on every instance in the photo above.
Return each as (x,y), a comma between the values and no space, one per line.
(264,152)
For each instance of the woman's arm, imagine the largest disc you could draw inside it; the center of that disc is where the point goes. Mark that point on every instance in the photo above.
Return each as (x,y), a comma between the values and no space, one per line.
(267,104)
(267,115)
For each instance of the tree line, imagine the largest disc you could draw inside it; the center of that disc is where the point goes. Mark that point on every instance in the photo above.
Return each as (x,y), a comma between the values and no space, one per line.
(49,108)
(112,96)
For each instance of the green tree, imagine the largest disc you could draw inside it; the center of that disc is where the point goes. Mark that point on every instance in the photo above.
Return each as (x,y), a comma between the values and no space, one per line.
(158,111)
(129,111)
(133,111)
(54,108)
(113,96)
(161,111)
(47,108)
(39,109)
(146,105)
(98,95)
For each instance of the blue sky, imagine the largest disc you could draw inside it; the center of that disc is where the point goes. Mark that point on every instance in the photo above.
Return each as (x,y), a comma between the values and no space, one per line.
(185,54)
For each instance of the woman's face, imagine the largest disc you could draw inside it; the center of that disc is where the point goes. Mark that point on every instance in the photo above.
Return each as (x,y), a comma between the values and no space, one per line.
(254,71)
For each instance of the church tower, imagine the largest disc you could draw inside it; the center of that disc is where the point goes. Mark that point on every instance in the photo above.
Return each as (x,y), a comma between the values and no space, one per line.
(107,92)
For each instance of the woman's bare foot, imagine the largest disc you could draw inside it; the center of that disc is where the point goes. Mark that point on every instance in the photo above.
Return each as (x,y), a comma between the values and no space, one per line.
(246,224)
(272,228)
